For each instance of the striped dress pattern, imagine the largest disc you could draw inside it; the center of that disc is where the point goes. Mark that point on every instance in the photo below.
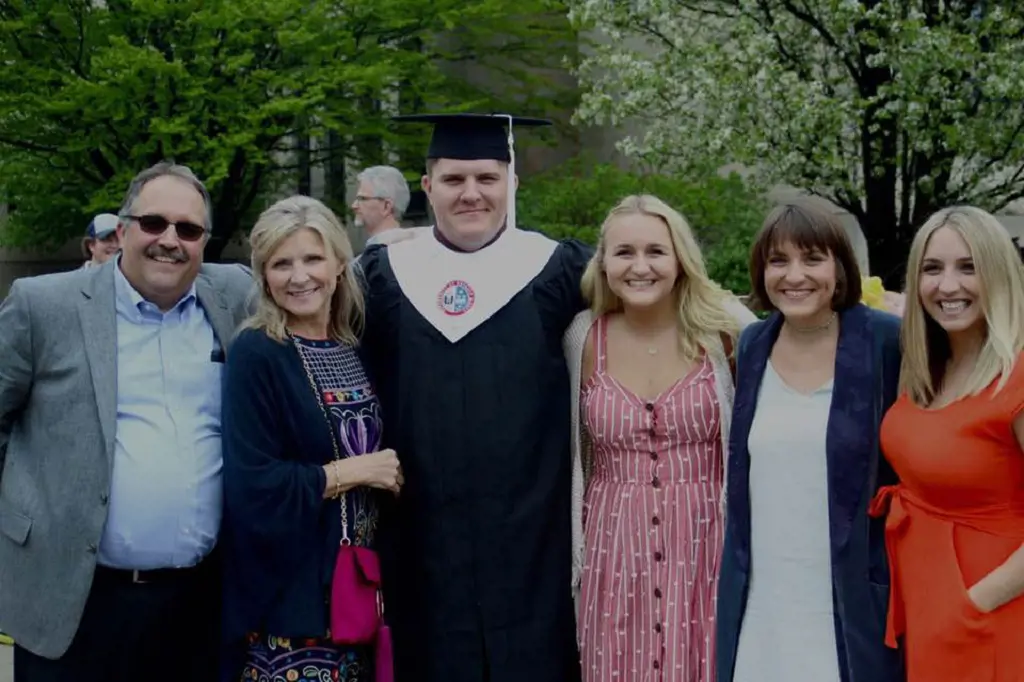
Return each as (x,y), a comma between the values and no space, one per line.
(652,528)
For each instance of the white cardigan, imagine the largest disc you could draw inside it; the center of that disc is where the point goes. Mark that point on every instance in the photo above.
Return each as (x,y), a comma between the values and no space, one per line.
(572,343)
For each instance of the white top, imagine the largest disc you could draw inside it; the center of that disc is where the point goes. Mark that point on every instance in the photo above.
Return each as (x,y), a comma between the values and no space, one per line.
(788,632)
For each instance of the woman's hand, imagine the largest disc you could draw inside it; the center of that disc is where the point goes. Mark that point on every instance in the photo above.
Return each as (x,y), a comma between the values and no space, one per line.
(1001,586)
(380,470)
(982,599)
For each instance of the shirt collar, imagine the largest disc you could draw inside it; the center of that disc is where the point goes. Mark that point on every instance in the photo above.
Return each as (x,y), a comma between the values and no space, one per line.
(380,235)
(126,293)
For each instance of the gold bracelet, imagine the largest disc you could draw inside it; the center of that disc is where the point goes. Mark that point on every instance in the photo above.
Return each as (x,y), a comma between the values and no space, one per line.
(332,486)
(337,477)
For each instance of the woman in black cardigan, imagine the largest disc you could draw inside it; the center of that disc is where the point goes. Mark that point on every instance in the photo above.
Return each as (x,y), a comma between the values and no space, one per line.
(302,428)
(803,585)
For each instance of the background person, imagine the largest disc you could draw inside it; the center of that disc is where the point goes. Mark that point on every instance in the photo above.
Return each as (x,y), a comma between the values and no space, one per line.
(101,241)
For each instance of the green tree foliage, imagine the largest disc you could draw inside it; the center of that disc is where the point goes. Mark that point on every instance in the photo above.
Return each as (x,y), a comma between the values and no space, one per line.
(90,93)
(889,108)
(573,200)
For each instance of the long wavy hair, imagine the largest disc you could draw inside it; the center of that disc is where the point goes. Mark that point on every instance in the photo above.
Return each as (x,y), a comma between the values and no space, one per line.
(926,349)
(275,225)
(701,305)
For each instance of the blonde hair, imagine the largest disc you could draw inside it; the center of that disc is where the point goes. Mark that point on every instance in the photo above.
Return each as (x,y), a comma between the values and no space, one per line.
(997,263)
(700,303)
(275,225)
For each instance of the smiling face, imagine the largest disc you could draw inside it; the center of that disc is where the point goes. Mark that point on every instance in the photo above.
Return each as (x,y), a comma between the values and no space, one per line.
(949,288)
(469,198)
(639,260)
(800,283)
(301,275)
(163,266)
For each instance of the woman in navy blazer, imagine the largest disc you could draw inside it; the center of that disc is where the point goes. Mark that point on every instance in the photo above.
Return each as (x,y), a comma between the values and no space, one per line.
(804,582)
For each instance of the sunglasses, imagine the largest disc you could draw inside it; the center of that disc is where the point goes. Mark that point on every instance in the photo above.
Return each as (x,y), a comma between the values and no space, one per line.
(157,224)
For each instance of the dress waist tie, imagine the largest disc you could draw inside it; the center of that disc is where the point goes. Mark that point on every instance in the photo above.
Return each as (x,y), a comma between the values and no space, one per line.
(888,502)
(900,505)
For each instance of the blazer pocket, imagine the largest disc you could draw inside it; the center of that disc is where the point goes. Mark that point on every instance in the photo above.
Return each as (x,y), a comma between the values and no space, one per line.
(14,525)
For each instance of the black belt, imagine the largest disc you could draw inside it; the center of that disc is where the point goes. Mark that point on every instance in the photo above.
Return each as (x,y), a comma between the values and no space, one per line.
(135,577)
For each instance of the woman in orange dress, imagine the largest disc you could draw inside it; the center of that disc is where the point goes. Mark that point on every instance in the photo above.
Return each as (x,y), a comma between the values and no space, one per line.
(955,524)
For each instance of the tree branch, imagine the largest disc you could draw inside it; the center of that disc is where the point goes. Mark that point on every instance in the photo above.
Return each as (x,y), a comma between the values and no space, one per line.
(25,145)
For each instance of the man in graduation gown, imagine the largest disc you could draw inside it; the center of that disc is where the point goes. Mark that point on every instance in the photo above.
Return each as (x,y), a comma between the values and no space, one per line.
(464,341)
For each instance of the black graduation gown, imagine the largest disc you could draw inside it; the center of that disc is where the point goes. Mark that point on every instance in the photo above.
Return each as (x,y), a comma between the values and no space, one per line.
(476,550)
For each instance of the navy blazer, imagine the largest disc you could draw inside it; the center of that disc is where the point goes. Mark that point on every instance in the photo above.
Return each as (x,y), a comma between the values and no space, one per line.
(865,385)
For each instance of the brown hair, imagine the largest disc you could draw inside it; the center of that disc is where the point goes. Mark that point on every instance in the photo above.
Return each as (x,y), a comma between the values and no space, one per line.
(809,228)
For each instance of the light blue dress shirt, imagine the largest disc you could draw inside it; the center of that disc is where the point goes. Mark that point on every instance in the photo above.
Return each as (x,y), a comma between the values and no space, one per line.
(165,496)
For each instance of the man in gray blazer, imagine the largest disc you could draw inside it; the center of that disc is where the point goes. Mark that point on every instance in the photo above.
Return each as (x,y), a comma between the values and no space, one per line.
(110,490)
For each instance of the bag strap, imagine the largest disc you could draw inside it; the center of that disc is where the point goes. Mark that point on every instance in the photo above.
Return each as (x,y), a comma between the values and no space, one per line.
(330,428)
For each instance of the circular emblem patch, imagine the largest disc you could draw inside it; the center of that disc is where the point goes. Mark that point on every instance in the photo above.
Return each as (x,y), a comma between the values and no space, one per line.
(456,297)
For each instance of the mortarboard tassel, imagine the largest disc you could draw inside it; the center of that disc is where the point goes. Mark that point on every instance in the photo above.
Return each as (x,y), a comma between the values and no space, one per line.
(510,220)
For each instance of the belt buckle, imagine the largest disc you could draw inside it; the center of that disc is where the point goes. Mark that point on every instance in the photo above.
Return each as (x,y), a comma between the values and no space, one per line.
(136,579)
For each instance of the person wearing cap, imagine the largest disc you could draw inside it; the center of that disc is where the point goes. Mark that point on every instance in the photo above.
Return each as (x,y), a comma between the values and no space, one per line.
(464,343)
(101,242)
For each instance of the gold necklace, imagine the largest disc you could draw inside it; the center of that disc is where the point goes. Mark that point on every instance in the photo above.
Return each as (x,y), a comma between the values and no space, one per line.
(819,328)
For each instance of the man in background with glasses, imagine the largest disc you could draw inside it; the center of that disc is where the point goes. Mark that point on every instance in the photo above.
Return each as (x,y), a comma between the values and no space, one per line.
(110,487)
(382,198)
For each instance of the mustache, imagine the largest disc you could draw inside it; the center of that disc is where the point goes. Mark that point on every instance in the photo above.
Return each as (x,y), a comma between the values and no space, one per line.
(157,251)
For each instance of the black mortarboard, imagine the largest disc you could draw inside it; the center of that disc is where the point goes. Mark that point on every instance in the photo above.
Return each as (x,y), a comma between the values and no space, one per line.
(470,137)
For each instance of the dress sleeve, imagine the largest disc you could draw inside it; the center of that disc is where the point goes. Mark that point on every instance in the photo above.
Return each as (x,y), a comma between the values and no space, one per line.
(272,500)
(1014,389)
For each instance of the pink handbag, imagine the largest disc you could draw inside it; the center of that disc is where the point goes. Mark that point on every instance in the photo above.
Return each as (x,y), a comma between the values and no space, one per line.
(355,595)
(357,607)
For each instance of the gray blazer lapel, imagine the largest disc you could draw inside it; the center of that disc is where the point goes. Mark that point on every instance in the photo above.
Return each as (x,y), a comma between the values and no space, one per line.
(216,308)
(98,317)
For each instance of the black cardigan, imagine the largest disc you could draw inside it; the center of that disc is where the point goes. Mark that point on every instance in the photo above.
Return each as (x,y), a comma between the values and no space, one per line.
(866,379)
(279,537)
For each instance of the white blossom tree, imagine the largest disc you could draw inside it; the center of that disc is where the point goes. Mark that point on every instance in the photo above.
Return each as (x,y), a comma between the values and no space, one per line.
(889,108)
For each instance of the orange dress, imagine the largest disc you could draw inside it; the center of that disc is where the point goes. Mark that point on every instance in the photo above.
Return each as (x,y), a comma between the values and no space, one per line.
(957,514)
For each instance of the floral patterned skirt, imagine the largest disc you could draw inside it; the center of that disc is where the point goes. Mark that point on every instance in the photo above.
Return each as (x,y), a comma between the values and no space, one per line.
(280,659)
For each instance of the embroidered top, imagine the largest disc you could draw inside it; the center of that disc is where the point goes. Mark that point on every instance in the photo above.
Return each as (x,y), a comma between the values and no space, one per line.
(280,537)
(355,417)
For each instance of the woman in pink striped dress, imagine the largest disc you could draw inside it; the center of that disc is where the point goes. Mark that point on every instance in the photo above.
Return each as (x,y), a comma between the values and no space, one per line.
(655,399)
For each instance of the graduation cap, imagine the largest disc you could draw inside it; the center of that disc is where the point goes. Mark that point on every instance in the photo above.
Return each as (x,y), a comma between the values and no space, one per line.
(469,137)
